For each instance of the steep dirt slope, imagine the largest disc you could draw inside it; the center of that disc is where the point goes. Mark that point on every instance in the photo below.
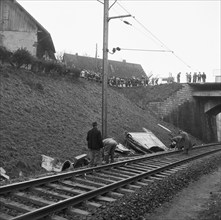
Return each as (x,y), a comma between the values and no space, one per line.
(143,95)
(51,115)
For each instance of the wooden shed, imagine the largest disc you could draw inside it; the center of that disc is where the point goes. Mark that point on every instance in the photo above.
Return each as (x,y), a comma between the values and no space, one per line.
(18,29)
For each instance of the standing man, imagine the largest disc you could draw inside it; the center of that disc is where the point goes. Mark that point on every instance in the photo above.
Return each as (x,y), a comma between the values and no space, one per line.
(109,148)
(204,77)
(190,77)
(186,141)
(199,77)
(95,144)
(194,77)
(178,77)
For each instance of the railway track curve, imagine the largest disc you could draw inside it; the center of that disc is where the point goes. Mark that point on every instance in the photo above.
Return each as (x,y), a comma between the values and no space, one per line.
(62,196)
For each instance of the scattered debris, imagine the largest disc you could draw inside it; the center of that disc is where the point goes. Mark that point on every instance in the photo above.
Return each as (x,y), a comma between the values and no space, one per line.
(81,160)
(66,165)
(53,164)
(3,175)
(164,128)
(122,149)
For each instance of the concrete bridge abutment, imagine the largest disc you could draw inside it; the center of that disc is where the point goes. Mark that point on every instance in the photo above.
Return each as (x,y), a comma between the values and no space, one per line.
(193,109)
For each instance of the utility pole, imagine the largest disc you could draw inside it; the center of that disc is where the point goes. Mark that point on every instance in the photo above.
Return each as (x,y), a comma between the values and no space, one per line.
(105,65)
(105,69)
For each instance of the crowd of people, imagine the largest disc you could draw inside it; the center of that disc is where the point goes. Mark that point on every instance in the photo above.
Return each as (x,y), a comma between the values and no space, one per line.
(116,81)
(193,78)
(142,81)
(124,82)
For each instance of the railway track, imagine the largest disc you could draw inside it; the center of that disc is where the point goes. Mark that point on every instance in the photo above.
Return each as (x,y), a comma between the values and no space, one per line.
(68,195)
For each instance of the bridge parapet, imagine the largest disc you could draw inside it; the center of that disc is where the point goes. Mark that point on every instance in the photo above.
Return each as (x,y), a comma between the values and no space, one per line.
(214,93)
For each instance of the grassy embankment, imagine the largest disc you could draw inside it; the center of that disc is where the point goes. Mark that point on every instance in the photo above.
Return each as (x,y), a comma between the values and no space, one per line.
(51,115)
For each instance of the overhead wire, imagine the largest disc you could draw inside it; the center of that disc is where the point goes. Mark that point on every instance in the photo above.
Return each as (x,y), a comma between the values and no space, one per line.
(100,1)
(137,29)
(112,4)
(161,43)
(170,51)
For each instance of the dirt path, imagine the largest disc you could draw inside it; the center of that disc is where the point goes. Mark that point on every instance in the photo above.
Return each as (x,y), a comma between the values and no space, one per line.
(187,204)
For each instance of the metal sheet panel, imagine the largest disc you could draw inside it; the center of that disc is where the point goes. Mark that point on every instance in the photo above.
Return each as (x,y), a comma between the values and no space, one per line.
(147,139)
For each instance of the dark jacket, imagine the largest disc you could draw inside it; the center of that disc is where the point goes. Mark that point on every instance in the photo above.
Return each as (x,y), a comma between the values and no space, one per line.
(94,139)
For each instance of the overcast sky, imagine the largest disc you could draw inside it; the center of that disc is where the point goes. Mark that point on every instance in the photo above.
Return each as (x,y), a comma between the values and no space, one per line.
(189,28)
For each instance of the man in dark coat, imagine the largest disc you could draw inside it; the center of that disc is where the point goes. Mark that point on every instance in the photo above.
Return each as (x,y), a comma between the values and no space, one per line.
(95,144)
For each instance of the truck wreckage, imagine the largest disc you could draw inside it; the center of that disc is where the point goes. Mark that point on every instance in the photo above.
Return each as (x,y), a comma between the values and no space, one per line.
(144,142)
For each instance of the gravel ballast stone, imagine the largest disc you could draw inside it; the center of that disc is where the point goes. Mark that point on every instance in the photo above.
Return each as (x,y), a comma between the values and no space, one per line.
(146,199)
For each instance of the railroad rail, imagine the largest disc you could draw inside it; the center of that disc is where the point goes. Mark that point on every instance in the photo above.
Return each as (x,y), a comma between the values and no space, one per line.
(74,193)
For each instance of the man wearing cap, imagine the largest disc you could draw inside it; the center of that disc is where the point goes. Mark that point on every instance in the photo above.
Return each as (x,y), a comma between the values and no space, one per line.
(109,148)
(95,144)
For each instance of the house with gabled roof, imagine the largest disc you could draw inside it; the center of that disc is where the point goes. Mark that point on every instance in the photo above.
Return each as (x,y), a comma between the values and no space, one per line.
(116,68)
(19,29)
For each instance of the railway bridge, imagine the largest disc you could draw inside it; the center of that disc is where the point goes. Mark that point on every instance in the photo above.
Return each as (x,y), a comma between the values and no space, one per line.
(196,108)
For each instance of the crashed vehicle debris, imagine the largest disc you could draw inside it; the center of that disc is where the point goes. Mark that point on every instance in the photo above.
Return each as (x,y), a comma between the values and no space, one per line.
(144,142)
(54,165)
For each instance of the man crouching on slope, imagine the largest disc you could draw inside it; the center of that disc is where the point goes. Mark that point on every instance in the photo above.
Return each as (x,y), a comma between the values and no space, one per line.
(95,144)
(109,148)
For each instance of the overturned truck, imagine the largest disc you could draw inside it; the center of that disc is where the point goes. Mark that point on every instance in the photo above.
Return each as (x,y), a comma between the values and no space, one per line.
(144,142)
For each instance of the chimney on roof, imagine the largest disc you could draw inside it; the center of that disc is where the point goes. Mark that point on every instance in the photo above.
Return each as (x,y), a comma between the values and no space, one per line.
(124,61)
(76,54)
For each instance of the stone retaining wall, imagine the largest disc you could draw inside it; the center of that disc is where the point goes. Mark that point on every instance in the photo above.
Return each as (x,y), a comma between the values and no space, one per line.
(173,102)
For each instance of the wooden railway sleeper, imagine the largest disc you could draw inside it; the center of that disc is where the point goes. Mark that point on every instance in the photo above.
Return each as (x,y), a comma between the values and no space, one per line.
(89,182)
(49,192)
(115,174)
(67,189)
(137,168)
(111,177)
(99,179)
(79,185)
(33,199)
(128,174)
(127,171)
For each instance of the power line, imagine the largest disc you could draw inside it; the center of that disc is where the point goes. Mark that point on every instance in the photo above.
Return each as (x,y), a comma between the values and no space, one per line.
(126,22)
(112,4)
(162,44)
(170,51)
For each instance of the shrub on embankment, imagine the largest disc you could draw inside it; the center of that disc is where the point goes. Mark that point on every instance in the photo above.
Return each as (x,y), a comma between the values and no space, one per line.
(51,114)
(22,58)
